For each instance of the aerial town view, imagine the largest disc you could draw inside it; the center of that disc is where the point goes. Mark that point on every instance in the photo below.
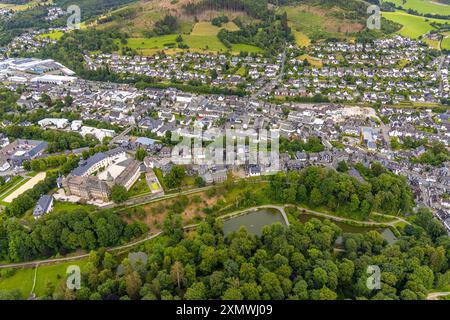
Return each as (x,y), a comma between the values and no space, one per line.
(225,150)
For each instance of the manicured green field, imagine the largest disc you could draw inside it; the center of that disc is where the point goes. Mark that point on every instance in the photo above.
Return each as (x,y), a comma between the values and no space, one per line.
(422,6)
(413,26)
(23,278)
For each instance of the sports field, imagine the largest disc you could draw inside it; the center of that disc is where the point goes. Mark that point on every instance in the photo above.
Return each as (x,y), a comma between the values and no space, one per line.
(422,6)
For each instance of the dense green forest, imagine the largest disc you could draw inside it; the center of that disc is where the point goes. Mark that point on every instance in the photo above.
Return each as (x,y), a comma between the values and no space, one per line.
(299,262)
(63,232)
(321,187)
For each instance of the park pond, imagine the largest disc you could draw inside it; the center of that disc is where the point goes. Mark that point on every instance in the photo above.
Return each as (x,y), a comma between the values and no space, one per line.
(254,221)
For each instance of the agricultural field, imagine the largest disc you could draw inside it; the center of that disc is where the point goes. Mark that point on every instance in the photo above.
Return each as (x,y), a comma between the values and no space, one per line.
(22,279)
(423,6)
(413,26)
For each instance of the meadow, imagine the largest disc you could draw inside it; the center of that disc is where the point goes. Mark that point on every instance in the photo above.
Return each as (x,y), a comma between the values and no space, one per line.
(423,6)
(54,35)
(413,26)
(445,45)
(22,279)
(202,38)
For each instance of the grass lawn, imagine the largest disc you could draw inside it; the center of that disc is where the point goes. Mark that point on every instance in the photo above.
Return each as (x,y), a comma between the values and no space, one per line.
(413,26)
(22,279)
(422,6)
(68,206)
(140,187)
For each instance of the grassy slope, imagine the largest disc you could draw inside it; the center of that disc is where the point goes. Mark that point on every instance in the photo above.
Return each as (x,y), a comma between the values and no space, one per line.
(202,38)
(413,26)
(423,6)
(446,41)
